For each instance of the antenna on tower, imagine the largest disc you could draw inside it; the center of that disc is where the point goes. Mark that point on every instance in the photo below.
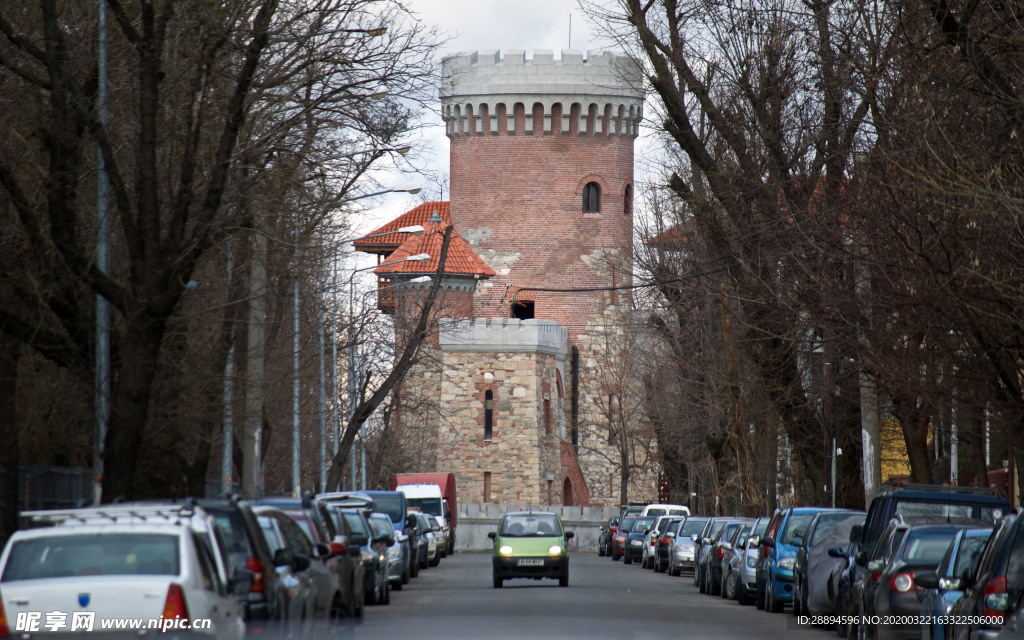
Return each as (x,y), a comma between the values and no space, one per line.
(570,31)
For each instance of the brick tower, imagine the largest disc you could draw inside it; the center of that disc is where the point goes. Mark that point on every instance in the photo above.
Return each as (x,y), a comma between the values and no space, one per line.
(542,174)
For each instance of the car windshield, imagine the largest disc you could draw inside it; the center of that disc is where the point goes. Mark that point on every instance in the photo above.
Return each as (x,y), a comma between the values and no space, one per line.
(655,512)
(626,524)
(231,524)
(426,505)
(384,523)
(640,524)
(760,528)
(935,509)
(969,554)
(530,524)
(743,534)
(796,527)
(727,531)
(390,504)
(826,523)
(110,554)
(692,527)
(927,546)
(673,527)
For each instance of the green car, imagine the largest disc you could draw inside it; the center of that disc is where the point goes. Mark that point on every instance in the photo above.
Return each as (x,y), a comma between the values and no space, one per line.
(530,545)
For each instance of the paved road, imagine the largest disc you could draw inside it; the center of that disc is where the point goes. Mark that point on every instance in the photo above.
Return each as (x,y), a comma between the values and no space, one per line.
(605,599)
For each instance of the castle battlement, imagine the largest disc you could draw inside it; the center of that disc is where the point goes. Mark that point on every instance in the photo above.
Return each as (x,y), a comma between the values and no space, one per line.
(504,335)
(485,94)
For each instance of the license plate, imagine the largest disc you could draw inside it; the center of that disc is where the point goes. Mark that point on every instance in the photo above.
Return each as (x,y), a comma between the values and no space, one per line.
(530,562)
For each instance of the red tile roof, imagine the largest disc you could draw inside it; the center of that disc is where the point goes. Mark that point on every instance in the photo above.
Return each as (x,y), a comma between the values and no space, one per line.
(461,260)
(387,244)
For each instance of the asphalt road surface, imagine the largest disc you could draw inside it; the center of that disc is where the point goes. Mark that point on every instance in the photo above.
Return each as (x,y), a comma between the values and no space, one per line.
(604,599)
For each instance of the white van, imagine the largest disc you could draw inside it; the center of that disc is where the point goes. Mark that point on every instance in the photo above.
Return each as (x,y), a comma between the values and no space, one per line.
(428,499)
(665,510)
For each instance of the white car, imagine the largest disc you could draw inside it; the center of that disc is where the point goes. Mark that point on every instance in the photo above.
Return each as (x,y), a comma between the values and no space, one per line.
(665,510)
(651,540)
(134,569)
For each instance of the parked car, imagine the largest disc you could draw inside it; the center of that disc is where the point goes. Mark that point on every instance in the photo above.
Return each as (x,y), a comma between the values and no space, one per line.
(825,565)
(659,509)
(394,551)
(428,552)
(732,556)
(746,591)
(441,535)
(393,504)
(1014,629)
(993,592)
(778,556)
(713,566)
(620,536)
(893,594)
(651,540)
(293,561)
(429,499)
(376,588)
(681,551)
(820,527)
(912,500)
(604,539)
(663,545)
(329,505)
(702,547)
(530,545)
(123,562)
(632,509)
(450,508)
(634,543)
(943,587)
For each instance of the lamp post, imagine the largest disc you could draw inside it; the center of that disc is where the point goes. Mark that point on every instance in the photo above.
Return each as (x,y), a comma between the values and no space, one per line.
(353,378)
(102,372)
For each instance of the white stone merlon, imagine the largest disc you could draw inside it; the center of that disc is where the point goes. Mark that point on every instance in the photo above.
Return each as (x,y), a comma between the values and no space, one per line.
(504,335)
(481,92)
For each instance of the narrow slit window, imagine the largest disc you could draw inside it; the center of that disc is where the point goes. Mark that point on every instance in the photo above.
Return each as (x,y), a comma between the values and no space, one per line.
(627,201)
(487,486)
(591,198)
(547,415)
(488,414)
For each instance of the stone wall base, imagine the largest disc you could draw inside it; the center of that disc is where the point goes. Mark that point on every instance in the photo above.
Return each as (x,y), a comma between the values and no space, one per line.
(477,520)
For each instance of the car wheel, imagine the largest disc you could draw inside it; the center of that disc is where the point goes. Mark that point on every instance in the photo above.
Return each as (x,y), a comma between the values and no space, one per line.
(714,586)
(864,632)
(774,605)
(387,591)
(337,608)
(627,560)
(760,598)
(616,558)
(796,599)
(563,581)
(397,586)
(436,561)
(600,551)
(498,582)
(672,571)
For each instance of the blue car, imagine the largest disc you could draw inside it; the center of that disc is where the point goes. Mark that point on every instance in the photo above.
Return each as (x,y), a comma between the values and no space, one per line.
(944,588)
(777,556)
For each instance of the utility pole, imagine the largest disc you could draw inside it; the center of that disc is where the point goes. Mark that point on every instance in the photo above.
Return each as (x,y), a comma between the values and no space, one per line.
(323,386)
(227,456)
(296,470)
(334,359)
(252,430)
(833,473)
(102,391)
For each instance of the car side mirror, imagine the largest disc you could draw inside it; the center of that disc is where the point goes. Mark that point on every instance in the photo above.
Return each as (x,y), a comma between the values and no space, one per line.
(694,537)
(927,580)
(435,528)
(284,557)
(856,532)
(241,582)
(302,562)
(403,538)
(876,566)
(358,540)
(706,540)
(646,531)
(492,535)
(949,584)
(569,535)
(753,540)
(727,546)
(603,528)
(836,552)
(861,558)
(767,541)
(670,535)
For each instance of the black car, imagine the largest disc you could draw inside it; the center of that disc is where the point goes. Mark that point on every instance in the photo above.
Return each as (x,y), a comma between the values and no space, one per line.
(994,591)
(295,560)
(713,569)
(820,527)
(634,547)
(376,587)
(733,551)
(702,548)
(420,528)
(604,539)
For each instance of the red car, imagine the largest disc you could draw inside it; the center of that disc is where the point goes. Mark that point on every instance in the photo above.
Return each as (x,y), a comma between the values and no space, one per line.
(604,540)
(619,539)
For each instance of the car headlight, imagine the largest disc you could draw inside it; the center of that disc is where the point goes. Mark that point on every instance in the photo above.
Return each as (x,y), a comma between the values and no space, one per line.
(394,552)
(787,563)
(505,550)
(752,562)
(636,543)
(554,549)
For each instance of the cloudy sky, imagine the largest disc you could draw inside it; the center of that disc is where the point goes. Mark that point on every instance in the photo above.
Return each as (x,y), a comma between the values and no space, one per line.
(476,25)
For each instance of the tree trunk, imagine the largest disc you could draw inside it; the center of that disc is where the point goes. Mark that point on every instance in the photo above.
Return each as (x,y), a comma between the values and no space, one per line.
(914,420)
(10,432)
(133,386)
(978,444)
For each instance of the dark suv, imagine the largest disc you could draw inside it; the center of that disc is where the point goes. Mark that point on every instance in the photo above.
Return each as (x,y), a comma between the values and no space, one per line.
(993,592)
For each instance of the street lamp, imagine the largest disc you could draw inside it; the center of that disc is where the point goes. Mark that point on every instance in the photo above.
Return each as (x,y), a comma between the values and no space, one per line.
(402,150)
(373,33)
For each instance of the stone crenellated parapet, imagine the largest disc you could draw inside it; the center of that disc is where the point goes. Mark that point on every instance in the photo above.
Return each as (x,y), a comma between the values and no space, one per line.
(486,94)
(504,335)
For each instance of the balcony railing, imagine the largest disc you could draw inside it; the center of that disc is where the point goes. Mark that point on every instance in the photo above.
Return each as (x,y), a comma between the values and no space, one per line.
(385,295)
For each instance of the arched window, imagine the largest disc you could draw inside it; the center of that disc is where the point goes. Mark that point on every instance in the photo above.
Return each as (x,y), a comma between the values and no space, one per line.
(627,200)
(591,197)
(488,414)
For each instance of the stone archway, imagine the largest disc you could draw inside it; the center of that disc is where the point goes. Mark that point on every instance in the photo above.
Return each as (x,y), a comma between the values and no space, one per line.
(567,498)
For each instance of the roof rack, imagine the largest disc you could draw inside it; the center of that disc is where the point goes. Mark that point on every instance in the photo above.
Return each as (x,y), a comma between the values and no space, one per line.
(890,484)
(126,514)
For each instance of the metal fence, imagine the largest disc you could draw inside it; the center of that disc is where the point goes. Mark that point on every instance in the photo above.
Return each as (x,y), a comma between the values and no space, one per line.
(45,487)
